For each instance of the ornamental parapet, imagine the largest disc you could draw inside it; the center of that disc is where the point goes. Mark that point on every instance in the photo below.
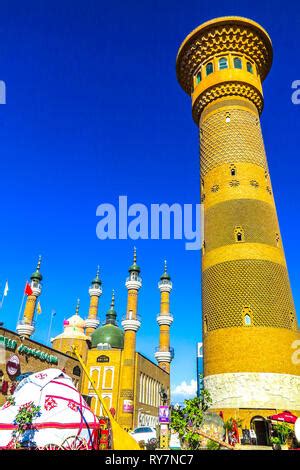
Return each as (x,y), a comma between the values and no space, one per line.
(165,286)
(25,329)
(133,283)
(91,323)
(132,324)
(164,354)
(95,291)
(165,319)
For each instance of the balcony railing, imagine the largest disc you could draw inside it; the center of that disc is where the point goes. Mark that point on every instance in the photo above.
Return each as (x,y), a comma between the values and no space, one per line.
(131,316)
(135,279)
(170,350)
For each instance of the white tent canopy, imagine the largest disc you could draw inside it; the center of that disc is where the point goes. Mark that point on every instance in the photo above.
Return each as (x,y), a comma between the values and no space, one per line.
(64,413)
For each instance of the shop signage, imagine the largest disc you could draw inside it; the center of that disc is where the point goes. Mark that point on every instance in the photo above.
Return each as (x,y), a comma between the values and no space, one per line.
(102,359)
(164,414)
(128,406)
(22,349)
(8,343)
(13,365)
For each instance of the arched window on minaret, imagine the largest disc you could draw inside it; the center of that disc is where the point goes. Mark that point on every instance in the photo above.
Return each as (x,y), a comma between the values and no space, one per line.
(277,238)
(247,315)
(233,170)
(239,234)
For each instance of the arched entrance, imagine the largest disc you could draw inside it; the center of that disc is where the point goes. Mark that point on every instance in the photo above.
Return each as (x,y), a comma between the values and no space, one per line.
(260,425)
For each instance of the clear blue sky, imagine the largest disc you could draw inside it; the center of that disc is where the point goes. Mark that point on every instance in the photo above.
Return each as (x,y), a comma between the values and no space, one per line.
(94,111)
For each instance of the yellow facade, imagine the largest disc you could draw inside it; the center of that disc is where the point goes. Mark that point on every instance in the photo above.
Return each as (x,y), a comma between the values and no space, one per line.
(249,318)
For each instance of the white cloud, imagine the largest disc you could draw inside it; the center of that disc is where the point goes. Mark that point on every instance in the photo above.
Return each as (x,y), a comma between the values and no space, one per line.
(186,390)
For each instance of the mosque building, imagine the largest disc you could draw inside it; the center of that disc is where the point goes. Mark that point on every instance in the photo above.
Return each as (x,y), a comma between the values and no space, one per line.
(131,385)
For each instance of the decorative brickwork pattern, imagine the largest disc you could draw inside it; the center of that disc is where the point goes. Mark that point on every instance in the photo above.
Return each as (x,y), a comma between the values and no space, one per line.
(240,140)
(263,285)
(221,220)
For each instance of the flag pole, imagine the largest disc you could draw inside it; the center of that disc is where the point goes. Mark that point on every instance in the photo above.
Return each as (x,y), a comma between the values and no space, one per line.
(21,306)
(50,326)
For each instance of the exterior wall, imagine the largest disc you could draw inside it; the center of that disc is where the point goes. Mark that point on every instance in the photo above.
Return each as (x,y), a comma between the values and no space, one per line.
(250,328)
(149,379)
(65,345)
(107,377)
(29,363)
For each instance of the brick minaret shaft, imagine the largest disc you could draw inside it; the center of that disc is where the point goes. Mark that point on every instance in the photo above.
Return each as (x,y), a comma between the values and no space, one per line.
(164,354)
(249,319)
(95,291)
(25,327)
(131,325)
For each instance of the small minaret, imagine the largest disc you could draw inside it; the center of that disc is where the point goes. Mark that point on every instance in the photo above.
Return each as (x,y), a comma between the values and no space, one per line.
(95,291)
(131,325)
(25,327)
(164,354)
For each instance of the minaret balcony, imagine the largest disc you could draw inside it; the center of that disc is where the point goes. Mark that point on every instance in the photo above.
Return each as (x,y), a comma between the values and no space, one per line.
(36,289)
(164,354)
(133,282)
(25,329)
(165,285)
(95,291)
(131,322)
(91,323)
(165,319)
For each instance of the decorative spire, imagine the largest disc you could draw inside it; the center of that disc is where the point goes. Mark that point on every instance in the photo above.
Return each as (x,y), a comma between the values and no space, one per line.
(97,279)
(77,307)
(37,275)
(39,263)
(165,274)
(134,266)
(112,304)
(111,313)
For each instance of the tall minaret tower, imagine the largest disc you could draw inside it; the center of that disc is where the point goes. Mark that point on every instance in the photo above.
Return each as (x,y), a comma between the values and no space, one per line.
(249,319)
(95,291)
(25,327)
(131,325)
(164,353)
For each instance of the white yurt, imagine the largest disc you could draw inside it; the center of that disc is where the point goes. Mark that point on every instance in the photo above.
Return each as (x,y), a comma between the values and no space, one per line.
(65,420)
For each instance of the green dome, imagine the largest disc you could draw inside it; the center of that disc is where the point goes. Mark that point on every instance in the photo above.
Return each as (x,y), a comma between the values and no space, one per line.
(110,334)
(165,276)
(36,275)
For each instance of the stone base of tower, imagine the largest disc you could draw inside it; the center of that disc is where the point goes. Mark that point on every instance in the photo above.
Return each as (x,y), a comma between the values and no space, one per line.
(254,390)
(252,397)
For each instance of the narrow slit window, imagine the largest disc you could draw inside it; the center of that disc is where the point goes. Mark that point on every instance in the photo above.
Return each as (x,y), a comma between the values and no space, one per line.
(237,63)
(209,68)
(239,234)
(198,78)
(233,170)
(249,67)
(223,63)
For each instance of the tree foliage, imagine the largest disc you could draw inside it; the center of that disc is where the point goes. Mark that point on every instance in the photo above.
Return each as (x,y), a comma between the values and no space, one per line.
(185,420)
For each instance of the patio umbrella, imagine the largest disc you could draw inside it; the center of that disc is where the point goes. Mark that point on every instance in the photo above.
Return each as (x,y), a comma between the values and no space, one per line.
(285,416)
